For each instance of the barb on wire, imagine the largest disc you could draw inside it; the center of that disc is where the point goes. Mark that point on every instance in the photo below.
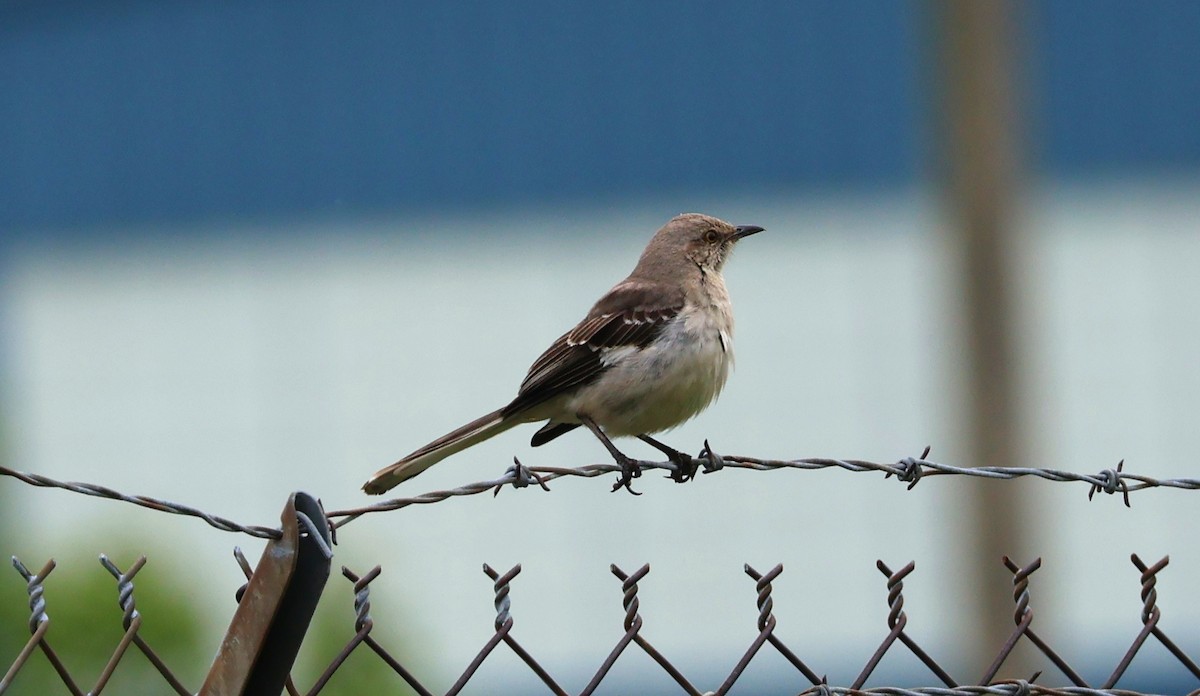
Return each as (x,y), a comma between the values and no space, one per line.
(92,489)
(521,478)
(910,470)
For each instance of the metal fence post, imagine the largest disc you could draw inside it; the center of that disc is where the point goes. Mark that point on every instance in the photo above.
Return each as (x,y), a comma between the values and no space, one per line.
(278,603)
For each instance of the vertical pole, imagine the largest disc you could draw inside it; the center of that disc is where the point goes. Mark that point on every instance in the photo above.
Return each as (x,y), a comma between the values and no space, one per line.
(979,133)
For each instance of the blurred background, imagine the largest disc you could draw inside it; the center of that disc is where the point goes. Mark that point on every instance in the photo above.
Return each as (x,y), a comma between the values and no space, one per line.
(248,248)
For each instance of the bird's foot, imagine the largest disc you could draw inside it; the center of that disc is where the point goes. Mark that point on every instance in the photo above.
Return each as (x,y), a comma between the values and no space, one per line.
(629,471)
(685,467)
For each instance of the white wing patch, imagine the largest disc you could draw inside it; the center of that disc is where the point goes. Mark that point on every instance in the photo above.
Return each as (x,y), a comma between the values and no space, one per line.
(611,356)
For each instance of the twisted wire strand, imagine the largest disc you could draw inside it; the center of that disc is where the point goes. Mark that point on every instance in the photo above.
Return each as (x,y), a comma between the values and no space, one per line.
(762,583)
(910,470)
(222,523)
(124,587)
(362,597)
(36,591)
(500,586)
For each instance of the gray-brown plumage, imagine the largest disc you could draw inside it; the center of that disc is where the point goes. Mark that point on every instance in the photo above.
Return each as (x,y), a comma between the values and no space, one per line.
(653,352)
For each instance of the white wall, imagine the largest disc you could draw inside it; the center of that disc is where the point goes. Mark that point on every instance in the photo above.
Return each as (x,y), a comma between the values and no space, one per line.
(226,373)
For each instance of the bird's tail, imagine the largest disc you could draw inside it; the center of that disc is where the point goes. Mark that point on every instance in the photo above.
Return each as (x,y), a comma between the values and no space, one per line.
(470,434)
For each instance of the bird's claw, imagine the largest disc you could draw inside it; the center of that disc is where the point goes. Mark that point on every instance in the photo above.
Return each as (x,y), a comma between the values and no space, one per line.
(629,471)
(685,467)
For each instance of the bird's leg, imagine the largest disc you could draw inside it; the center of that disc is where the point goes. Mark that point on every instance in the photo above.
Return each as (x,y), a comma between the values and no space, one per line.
(629,467)
(685,466)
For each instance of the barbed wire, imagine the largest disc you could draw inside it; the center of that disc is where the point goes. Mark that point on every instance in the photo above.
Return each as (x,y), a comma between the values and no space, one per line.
(157,504)
(910,470)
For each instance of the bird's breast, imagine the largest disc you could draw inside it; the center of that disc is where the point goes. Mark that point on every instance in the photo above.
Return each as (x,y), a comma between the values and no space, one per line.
(660,386)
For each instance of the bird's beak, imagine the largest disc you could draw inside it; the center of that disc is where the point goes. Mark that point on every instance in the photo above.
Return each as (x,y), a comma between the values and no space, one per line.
(746,231)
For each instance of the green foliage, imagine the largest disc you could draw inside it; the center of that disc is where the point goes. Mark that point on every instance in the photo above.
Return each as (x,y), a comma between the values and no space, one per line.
(85,626)
(85,629)
(332,628)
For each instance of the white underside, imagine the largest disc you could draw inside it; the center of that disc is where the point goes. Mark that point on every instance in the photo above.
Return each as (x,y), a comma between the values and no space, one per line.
(648,390)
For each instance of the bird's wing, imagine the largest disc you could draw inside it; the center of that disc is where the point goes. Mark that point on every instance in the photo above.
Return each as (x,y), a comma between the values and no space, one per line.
(631,315)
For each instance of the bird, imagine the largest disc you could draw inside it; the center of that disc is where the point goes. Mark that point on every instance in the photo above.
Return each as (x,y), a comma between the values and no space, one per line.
(652,353)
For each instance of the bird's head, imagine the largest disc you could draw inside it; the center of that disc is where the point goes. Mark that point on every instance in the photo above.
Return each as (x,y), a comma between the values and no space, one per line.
(704,240)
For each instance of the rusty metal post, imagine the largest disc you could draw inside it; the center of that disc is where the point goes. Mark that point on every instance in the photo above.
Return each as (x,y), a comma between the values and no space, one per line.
(274,612)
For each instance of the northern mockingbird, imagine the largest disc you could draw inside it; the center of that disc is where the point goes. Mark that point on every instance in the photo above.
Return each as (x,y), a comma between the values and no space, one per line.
(653,352)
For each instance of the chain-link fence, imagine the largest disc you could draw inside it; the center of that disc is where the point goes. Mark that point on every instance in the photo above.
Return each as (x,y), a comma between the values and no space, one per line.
(277,603)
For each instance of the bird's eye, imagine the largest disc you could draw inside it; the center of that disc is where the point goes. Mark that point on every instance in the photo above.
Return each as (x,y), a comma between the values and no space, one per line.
(712,236)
